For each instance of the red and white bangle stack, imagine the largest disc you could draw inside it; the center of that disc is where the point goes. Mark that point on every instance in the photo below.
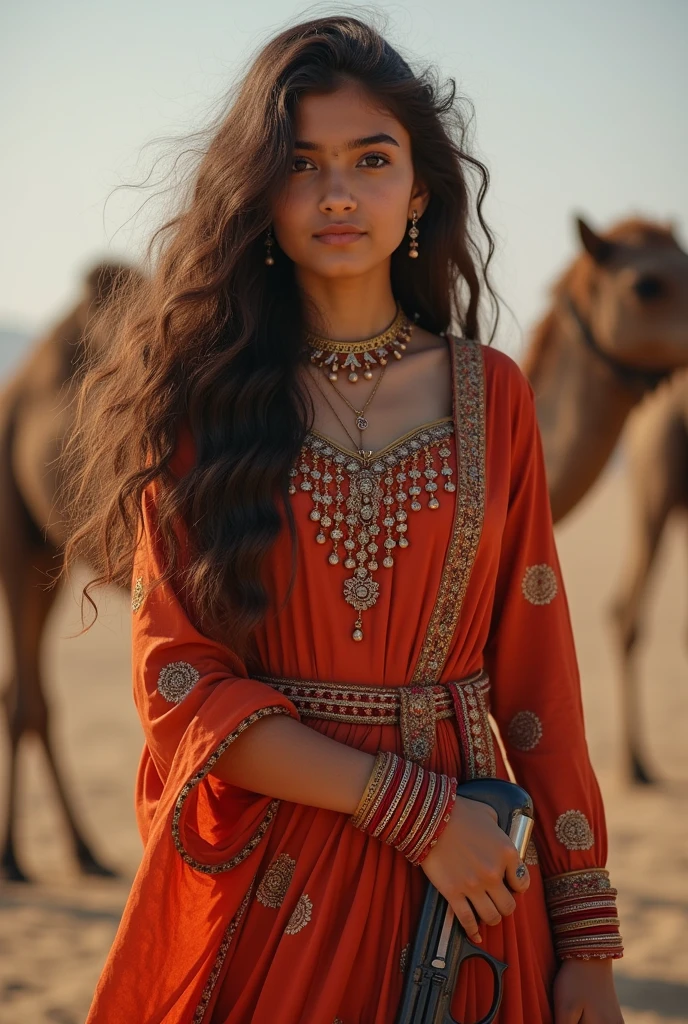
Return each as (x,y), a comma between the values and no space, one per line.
(583,915)
(405,805)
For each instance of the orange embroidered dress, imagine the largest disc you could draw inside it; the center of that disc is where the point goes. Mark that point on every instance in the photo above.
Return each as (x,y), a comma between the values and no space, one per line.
(441,550)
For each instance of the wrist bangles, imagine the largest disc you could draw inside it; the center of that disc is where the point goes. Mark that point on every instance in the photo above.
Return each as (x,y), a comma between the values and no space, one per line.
(405,805)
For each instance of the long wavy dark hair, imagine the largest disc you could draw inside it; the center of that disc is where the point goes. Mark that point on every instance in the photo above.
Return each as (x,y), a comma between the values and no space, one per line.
(215,338)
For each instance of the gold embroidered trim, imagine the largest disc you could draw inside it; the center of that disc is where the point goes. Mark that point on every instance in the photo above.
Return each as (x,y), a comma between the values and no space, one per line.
(477,742)
(137,594)
(343,702)
(573,831)
(539,585)
(214,869)
(418,719)
(220,957)
(177,680)
(300,917)
(411,707)
(469,427)
(586,882)
(275,882)
(524,731)
(403,959)
(531,858)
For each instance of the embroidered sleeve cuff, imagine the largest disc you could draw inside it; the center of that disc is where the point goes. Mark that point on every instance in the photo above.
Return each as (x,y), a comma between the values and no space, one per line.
(583,916)
(182,832)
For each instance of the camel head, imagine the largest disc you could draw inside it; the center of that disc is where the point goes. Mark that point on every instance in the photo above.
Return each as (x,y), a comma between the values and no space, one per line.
(629,288)
(616,327)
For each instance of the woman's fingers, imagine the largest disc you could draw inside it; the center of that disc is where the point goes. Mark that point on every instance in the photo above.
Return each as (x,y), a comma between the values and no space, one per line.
(502,899)
(517,874)
(485,908)
(466,917)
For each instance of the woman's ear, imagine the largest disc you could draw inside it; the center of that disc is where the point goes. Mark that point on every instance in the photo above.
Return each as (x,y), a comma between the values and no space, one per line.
(420,197)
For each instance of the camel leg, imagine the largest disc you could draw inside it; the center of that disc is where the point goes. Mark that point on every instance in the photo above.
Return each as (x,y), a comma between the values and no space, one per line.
(657,451)
(626,614)
(23,699)
(28,711)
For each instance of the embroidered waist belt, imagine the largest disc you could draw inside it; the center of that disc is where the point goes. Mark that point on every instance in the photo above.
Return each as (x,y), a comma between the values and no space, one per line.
(416,709)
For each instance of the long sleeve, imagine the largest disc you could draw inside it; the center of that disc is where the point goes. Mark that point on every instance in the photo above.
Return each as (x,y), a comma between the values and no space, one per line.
(537,703)
(194,697)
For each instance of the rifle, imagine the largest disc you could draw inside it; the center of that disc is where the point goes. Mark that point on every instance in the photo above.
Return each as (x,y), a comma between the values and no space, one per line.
(441,944)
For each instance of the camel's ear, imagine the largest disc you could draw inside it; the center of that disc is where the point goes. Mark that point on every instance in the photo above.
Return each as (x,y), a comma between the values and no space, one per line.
(599,248)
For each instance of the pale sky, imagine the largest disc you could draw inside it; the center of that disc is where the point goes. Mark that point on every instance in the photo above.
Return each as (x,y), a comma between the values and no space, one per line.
(580,107)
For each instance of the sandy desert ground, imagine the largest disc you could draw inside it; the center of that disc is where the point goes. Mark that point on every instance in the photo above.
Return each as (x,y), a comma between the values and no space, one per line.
(54,935)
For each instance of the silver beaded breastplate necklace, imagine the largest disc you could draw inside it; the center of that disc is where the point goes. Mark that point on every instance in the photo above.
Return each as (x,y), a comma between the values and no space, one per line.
(384,488)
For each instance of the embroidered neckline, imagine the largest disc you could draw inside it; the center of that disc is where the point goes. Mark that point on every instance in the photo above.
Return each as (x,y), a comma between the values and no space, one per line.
(381,484)
(315,439)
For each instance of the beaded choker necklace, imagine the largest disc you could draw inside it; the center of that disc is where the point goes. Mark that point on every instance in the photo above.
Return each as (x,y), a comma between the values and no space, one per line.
(332,355)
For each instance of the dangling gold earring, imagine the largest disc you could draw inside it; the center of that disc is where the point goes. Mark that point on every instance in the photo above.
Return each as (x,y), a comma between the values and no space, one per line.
(413,235)
(269,259)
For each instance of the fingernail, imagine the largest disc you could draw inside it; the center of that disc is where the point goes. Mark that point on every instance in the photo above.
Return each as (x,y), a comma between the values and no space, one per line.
(477,937)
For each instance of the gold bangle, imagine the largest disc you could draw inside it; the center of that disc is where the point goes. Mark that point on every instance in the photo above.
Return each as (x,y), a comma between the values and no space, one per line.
(395,800)
(374,779)
(590,922)
(384,786)
(432,824)
(407,808)
(423,811)
(576,908)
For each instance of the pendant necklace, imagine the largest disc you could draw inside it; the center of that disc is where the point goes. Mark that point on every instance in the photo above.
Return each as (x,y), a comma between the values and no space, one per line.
(371,521)
(361,421)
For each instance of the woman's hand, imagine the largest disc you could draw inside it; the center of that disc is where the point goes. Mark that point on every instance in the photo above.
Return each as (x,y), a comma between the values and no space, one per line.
(584,993)
(470,861)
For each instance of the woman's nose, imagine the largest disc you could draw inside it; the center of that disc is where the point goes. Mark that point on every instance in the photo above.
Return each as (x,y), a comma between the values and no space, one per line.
(337,200)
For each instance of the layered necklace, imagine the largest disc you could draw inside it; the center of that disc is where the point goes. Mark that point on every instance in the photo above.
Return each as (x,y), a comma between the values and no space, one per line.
(381,484)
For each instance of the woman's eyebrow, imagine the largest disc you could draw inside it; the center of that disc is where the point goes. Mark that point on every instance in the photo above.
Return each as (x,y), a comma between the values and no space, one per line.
(367,140)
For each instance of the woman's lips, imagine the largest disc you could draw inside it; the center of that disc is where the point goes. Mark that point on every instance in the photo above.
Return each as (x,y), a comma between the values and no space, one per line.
(339,237)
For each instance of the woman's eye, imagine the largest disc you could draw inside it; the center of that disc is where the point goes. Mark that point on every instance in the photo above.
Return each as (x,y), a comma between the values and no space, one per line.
(300,163)
(378,160)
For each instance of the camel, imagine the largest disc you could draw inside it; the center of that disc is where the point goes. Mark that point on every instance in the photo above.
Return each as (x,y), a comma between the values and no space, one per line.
(656,450)
(614,343)
(36,408)
(617,327)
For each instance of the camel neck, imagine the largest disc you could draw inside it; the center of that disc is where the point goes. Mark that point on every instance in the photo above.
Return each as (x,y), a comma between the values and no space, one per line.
(581,408)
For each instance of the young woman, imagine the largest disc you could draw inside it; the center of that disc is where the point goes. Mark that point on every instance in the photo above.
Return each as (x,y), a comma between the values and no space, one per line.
(338,522)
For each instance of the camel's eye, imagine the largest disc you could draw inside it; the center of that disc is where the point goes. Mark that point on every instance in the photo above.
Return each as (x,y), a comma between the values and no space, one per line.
(648,286)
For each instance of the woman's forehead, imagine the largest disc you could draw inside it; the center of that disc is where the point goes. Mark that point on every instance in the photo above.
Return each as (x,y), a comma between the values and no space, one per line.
(336,119)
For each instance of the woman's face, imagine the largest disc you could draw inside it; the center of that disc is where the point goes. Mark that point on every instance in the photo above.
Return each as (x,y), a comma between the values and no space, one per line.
(351,189)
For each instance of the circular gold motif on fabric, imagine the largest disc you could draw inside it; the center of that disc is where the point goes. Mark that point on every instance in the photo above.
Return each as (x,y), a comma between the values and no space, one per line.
(276,881)
(300,917)
(176,680)
(573,831)
(531,856)
(539,584)
(137,594)
(524,730)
